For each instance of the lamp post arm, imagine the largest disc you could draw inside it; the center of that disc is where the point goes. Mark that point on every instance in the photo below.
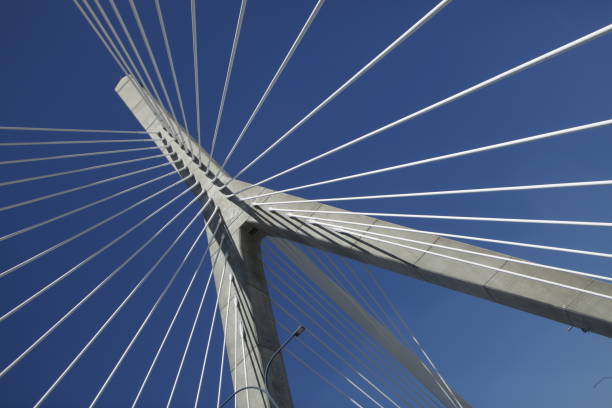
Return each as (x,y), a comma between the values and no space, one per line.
(276,353)
(252,388)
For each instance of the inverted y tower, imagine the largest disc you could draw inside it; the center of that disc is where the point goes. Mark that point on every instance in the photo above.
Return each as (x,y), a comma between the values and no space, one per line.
(237,228)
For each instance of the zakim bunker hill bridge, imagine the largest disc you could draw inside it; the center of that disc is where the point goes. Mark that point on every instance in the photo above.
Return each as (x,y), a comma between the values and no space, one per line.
(147,267)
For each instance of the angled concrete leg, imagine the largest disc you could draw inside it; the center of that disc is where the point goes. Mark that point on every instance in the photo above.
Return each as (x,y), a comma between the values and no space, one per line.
(246,312)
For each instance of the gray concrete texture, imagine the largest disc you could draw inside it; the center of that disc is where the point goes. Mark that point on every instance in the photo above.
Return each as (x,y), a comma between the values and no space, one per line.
(244,225)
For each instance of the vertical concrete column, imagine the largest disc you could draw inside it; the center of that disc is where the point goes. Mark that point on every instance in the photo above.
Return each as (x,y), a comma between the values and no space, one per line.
(246,313)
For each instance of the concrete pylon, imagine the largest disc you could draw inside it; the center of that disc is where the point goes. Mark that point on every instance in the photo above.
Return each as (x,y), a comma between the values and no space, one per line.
(244,304)
(241,226)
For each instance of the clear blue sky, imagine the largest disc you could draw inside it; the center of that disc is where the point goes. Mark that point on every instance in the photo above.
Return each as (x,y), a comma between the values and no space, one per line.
(56,73)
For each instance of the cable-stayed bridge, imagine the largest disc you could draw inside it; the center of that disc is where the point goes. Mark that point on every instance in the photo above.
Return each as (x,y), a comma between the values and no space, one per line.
(215,273)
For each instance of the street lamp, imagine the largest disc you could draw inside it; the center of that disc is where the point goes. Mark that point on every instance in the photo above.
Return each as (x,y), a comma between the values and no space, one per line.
(296,333)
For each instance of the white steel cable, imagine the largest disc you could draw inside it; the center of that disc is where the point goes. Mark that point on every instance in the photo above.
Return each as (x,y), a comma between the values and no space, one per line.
(79,265)
(373,307)
(300,296)
(350,81)
(285,265)
(365,235)
(84,207)
(486,255)
(413,335)
(421,392)
(275,78)
(322,358)
(177,128)
(476,264)
(195,322)
(100,28)
(122,62)
(315,254)
(381,392)
(91,228)
(589,292)
(458,95)
(123,66)
(83,262)
(224,324)
(212,326)
(71,190)
(306,345)
(228,75)
(64,173)
(89,258)
(402,354)
(109,45)
(155,305)
(73,130)
(73,155)
(592,183)
(316,220)
(130,69)
(244,356)
(174,77)
(313,351)
(196,76)
(161,81)
(73,309)
(454,217)
(125,300)
(344,282)
(63,142)
(444,157)
(356,403)
(363,392)
(331,349)
(173,320)
(378,310)
(359,355)
(318,374)
(284,327)
(188,344)
(296,277)
(236,348)
(392,324)
(343,330)
(338,315)
(162,114)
